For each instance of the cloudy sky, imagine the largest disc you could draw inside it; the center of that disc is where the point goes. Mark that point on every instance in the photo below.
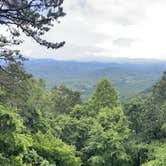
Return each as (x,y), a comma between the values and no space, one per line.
(100,29)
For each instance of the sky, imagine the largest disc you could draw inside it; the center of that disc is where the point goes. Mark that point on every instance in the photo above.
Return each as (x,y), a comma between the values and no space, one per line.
(102,29)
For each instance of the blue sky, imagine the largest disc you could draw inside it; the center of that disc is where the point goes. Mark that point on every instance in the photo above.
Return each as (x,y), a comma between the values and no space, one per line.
(95,29)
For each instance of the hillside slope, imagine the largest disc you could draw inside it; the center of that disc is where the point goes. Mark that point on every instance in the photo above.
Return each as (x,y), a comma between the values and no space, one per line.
(130,78)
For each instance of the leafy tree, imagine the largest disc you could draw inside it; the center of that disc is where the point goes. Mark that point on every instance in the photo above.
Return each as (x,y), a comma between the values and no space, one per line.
(17,147)
(75,132)
(159,91)
(30,157)
(136,145)
(146,119)
(79,112)
(106,142)
(21,90)
(100,136)
(12,82)
(156,154)
(55,151)
(134,110)
(64,99)
(13,140)
(104,96)
(34,109)
(33,120)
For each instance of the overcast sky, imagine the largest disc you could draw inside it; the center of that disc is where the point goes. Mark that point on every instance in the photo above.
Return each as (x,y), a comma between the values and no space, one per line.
(99,29)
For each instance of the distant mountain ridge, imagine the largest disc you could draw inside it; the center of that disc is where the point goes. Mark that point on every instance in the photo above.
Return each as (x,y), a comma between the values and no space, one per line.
(104,60)
(130,77)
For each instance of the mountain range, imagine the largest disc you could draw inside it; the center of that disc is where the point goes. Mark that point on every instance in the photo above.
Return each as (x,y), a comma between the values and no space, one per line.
(130,77)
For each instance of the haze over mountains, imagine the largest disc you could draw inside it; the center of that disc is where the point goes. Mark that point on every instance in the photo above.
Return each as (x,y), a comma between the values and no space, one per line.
(131,77)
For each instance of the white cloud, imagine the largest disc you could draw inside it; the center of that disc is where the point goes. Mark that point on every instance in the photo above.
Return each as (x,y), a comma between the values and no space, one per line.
(111,28)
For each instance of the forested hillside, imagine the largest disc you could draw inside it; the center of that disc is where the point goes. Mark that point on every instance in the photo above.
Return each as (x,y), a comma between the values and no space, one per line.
(40,127)
(130,77)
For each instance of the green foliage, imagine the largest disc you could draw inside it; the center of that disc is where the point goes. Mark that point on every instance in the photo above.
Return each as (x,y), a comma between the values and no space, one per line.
(134,110)
(79,112)
(55,151)
(13,142)
(159,90)
(107,138)
(13,83)
(99,137)
(38,127)
(32,158)
(75,132)
(156,154)
(64,99)
(104,96)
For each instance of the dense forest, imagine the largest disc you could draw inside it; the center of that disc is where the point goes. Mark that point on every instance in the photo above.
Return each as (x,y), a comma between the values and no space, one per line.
(40,127)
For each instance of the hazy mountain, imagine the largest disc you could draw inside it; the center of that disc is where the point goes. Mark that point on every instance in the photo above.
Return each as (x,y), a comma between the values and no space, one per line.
(129,76)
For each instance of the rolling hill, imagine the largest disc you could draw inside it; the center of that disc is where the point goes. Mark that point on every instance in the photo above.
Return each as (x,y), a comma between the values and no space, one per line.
(130,77)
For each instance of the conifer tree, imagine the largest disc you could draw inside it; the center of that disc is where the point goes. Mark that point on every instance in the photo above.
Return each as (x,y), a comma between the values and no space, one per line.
(104,96)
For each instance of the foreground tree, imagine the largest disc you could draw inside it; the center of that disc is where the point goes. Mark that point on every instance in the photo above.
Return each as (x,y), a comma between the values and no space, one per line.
(32,17)
(156,154)
(137,146)
(55,151)
(17,147)
(13,140)
(107,138)
(13,83)
(98,129)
